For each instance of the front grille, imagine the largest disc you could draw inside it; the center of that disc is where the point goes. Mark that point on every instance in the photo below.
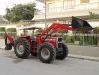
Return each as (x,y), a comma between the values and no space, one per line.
(59,39)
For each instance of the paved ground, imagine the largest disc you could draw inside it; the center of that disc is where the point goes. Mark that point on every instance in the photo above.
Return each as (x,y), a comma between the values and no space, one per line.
(75,49)
(84,50)
(11,65)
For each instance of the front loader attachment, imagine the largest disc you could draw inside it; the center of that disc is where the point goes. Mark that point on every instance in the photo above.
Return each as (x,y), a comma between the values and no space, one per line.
(79,24)
(8,46)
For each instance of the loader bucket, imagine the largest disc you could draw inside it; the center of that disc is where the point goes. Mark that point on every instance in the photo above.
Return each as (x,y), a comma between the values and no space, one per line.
(80,24)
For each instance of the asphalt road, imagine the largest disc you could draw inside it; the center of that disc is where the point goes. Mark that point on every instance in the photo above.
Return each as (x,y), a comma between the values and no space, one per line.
(11,65)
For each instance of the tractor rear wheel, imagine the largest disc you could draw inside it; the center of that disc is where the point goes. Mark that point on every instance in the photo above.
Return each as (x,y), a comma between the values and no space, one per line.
(22,48)
(64,53)
(46,53)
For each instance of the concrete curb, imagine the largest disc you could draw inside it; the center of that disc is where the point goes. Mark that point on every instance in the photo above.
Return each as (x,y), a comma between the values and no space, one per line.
(2,47)
(84,57)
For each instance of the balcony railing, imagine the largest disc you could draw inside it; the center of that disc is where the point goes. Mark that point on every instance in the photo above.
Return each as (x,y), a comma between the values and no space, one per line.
(79,7)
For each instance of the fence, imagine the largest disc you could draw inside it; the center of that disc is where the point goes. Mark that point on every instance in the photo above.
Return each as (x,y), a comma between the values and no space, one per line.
(76,39)
(82,39)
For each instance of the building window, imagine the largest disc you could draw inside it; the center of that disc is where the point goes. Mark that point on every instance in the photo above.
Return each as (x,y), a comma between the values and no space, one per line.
(51,7)
(84,1)
(68,3)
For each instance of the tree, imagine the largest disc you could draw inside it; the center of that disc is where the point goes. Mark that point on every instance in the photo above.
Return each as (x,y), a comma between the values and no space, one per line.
(21,12)
(93,15)
(96,30)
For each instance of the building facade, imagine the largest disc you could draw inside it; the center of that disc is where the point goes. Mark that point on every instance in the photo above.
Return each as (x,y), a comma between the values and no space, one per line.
(63,10)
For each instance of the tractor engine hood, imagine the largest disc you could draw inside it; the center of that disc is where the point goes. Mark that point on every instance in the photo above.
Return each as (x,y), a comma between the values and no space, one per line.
(52,41)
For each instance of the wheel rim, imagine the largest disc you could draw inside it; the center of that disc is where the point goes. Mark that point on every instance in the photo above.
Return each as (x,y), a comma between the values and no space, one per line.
(45,53)
(20,49)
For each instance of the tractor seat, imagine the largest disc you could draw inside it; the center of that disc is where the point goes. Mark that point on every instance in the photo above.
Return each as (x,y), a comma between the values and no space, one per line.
(33,38)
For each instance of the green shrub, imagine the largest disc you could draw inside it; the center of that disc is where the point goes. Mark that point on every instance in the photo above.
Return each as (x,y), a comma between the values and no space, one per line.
(93,40)
(96,30)
(2,35)
(90,40)
(81,40)
(64,37)
(69,39)
(11,30)
(63,31)
(2,29)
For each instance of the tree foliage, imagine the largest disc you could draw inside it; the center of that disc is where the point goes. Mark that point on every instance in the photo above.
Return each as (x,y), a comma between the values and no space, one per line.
(11,30)
(2,29)
(20,12)
(96,30)
(93,15)
(63,31)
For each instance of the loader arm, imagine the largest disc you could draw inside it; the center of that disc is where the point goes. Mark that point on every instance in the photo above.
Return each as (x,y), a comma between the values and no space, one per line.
(55,27)
(76,24)
(8,37)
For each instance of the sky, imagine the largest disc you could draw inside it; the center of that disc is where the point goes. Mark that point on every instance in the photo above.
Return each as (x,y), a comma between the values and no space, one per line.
(10,3)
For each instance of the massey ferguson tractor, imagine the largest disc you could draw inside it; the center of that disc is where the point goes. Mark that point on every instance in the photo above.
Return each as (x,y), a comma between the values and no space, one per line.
(44,46)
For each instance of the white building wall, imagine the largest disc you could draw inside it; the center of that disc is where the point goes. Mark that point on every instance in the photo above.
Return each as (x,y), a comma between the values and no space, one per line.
(91,1)
(8,26)
(94,24)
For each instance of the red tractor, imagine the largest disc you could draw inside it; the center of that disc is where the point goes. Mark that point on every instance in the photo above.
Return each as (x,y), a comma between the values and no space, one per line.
(44,46)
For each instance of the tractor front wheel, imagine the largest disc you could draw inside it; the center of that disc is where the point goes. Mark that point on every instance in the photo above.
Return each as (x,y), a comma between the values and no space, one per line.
(46,53)
(22,48)
(64,53)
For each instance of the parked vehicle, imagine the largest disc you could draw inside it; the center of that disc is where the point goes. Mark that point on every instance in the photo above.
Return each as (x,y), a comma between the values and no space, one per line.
(44,46)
